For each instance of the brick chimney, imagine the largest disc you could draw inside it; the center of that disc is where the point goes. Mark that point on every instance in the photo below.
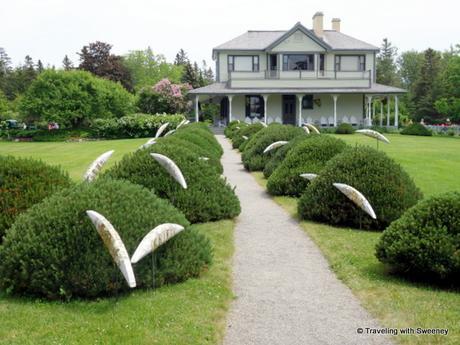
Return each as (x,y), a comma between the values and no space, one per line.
(336,24)
(318,24)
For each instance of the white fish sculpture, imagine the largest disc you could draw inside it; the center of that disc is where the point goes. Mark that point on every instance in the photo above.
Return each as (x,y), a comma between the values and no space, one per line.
(275,145)
(312,128)
(171,168)
(203,158)
(96,166)
(374,134)
(149,143)
(357,197)
(115,245)
(309,177)
(161,129)
(186,122)
(244,137)
(263,124)
(306,129)
(155,238)
(170,132)
(181,123)
(237,127)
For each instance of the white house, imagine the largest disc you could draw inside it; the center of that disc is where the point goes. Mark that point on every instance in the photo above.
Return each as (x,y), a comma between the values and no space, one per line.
(318,76)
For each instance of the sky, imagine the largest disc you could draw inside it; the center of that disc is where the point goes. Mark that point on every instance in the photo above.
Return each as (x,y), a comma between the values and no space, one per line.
(50,29)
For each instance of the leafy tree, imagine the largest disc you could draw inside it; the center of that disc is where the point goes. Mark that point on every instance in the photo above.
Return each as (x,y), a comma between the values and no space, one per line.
(3,104)
(40,67)
(164,97)
(426,90)
(97,59)
(67,64)
(5,69)
(148,68)
(72,98)
(386,67)
(449,104)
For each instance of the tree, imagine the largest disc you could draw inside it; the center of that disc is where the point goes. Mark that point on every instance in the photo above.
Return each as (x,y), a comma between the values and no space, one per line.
(190,76)
(3,104)
(5,69)
(181,58)
(164,97)
(386,67)
(449,104)
(97,59)
(40,67)
(67,64)
(426,89)
(148,68)
(208,74)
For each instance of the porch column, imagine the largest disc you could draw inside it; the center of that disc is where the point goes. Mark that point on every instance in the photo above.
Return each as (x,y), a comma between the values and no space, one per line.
(381,112)
(197,112)
(230,98)
(300,97)
(369,114)
(396,111)
(388,111)
(265,107)
(335,97)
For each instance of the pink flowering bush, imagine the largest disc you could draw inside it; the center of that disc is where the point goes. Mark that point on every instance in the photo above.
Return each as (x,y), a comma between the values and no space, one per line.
(164,97)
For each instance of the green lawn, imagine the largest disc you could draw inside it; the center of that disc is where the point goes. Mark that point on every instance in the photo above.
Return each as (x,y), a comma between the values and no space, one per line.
(434,164)
(192,312)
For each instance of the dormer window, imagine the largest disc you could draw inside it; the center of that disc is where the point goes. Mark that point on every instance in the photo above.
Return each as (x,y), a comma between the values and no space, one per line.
(298,62)
(243,63)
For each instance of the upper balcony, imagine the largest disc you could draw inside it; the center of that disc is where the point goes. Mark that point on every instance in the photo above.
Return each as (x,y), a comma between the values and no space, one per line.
(300,79)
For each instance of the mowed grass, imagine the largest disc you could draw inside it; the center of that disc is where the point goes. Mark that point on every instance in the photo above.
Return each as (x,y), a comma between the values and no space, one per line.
(395,301)
(192,312)
(433,162)
(75,157)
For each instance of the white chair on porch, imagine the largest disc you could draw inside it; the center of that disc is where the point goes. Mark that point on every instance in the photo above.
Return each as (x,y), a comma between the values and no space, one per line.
(345,119)
(323,121)
(330,120)
(354,121)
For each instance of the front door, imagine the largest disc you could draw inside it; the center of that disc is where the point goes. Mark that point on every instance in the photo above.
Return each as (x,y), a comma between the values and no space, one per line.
(289,109)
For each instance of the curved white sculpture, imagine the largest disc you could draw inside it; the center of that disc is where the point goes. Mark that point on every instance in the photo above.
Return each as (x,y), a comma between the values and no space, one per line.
(312,128)
(96,166)
(374,134)
(186,122)
(275,145)
(306,129)
(181,124)
(149,142)
(237,127)
(155,238)
(357,197)
(115,245)
(161,129)
(309,176)
(170,132)
(263,124)
(171,168)
(244,137)
(203,158)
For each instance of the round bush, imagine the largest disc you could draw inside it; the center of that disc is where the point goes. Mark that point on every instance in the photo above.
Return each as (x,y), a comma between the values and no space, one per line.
(201,137)
(232,127)
(247,131)
(309,156)
(23,183)
(208,197)
(253,157)
(384,183)
(281,153)
(425,241)
(417,129)
(53,249)
(344,128)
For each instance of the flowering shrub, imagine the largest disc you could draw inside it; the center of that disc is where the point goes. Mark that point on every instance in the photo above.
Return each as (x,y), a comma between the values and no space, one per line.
(164,97)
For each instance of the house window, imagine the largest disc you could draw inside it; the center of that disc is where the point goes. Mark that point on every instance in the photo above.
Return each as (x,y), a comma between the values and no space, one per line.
(321,62)
(307,102)
(243,63)
(296,62)
(351,63)
(254,107)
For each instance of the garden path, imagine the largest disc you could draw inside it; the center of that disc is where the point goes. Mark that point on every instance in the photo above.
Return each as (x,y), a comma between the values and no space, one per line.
(285,292)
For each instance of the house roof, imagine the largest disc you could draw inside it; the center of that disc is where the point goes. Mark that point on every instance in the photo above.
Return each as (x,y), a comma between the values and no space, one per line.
(222,89)
(265,40)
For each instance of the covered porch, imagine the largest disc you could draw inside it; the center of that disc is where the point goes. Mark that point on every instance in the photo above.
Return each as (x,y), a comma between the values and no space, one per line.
(321,107)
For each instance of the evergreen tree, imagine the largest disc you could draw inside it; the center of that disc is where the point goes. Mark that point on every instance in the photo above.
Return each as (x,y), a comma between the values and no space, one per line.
(181,58)
(208,74)
(190,76)
(67,64)
(386,67)
(40,67)
(5,69)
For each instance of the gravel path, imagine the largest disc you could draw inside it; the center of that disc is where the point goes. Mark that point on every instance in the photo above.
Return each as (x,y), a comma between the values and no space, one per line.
(285,291)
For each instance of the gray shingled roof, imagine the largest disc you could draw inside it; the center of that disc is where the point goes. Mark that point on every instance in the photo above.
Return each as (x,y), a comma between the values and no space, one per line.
(260,40)
(223,89)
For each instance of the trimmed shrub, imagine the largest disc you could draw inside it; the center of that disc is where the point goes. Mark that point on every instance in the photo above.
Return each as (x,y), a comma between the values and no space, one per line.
(44,135)
(344,128)
(425,241)
(281,153)
(201,136)
(247,131)
(253,157)
(54,251)
(383,182)
(207,197)
(232,127)
(23,183)
(133,126)
(309,156)
(417,129)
